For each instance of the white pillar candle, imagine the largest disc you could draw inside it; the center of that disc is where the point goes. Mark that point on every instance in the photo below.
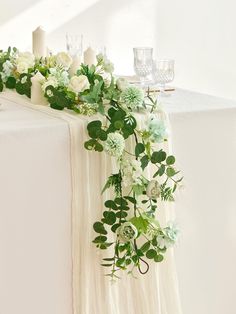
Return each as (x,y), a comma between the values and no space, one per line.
(37,96)
(75,65)
(39,43)
(90,56)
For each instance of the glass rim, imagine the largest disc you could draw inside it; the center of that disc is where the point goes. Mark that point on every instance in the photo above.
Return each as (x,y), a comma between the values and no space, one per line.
(164,60)
(143,48)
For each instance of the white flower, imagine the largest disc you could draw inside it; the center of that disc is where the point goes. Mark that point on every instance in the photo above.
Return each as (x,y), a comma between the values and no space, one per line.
(22,67)
(24,79)
(51,81)
(49,93)
(107,78)
(64,59)
(132,172)
(25,61)
(157,129)
(171,231)
(7,67)
(108,66)
(7,70)
(114,144)
(78,84)
(132,97)
(153,189)
(60,75)
(127,232)
(122,83)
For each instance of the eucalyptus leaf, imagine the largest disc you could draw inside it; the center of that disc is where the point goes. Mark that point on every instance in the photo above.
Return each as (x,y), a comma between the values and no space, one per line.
(158,157)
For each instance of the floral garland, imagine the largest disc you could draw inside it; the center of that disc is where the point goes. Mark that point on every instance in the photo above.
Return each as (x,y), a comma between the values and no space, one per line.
(128,223)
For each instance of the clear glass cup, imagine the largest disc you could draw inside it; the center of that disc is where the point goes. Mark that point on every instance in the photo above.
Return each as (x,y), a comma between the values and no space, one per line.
(74,44)
(163,73)
(143,63)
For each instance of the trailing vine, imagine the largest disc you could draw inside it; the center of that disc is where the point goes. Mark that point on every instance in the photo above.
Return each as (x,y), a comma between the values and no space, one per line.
(129,228)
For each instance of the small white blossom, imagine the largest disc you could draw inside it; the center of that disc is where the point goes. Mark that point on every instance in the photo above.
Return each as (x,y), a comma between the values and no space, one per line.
(51,81)
(7,70)
(157,129)
(24,79)
(127,232)
(122,83)
(115,144)
(132,172)
(132,97)
(49,93)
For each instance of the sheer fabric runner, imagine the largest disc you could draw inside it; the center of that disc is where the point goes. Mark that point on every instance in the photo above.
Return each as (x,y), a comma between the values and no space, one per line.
(92,292)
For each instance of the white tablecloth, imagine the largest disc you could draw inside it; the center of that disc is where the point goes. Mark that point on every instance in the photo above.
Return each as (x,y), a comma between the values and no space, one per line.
(204,141)
(35,220)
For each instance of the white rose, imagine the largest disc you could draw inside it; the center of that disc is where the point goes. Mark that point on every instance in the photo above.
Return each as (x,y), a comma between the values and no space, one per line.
(64,59)
(25,61)
(153,189)
(22,67)
(27,56)
(78,84)
(122,83)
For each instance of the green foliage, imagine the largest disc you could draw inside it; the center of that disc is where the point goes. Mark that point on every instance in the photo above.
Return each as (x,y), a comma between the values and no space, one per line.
(140,223)
(11,82)
(139,149)
(115,180)
(93,145)
(129,214)
(158,157)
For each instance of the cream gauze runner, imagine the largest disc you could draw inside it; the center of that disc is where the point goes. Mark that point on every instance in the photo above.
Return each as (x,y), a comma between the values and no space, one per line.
(92,292)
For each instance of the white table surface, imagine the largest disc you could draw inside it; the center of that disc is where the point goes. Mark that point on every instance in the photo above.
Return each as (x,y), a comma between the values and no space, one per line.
(204,142)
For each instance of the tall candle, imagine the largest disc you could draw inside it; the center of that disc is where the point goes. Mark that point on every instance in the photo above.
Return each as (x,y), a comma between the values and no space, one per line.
(37,96)
(75,65)
(39,43)
(90,56)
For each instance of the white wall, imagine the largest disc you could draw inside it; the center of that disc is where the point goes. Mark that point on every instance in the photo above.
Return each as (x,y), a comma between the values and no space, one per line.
(199,35)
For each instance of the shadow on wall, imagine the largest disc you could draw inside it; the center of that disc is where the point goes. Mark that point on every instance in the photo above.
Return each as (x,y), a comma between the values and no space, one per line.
(117,25)
(11,8)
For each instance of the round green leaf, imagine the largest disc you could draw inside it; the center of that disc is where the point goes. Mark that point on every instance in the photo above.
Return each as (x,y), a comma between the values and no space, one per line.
(100,239)
(11,82)
(170,160)
(20,88)
(151,254)
(118,124)
(170,172)
(139,149)
(121,214)
(110,218)
(99,228)
(98,147)
(102,135)
(158,258)
(110,204)
(158,157)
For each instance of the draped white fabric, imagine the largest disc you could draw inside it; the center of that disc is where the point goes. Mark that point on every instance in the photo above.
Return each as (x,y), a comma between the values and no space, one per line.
(58,198)
(44,170)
